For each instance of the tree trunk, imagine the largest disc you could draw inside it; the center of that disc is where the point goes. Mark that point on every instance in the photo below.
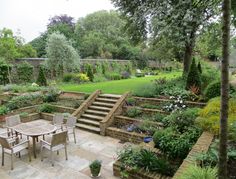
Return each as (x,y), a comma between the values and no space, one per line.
(224,90)
(188,53)
(187,58)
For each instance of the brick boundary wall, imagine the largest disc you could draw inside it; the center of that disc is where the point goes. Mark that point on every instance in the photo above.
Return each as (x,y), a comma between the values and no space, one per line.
(202,145)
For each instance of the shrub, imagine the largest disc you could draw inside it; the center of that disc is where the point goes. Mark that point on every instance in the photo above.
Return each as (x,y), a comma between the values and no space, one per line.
(132,158)
(23,101)
(113,76)
(125,75)
(95,167)
(182,120)
(41,80)
(68,77)
(25,72)
(209,116)
(147,127)
(193,78)
(199,67)
(4,78)
(174,143)
(3,110)
(176,104)
(133,112)
(46,108)
(90,73)
(130,101)
(80,78)
(51,96)
(213,89)
(196,172)
(147,91)
(99,78)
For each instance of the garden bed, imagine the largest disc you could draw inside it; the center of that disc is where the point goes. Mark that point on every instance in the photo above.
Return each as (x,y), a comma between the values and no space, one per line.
(140,174)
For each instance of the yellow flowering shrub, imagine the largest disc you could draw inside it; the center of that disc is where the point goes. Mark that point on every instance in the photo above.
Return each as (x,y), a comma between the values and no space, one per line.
(209,116)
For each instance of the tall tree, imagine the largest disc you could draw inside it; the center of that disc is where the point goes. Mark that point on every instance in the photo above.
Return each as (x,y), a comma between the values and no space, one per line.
(226,9)
(62,57)
(178,18)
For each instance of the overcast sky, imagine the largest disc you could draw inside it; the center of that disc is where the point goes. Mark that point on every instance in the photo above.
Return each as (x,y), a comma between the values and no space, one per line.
(31,16)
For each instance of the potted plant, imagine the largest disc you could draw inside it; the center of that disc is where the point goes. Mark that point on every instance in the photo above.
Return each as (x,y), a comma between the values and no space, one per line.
(95,168)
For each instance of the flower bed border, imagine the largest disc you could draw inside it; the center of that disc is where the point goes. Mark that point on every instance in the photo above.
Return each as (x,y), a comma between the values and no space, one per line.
(159,100)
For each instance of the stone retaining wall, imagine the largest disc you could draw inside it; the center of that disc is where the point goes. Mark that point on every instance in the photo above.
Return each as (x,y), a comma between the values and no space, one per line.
(202,145)
(125,136)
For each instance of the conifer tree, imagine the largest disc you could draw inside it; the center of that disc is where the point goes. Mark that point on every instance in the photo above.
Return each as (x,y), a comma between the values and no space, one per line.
(41,80)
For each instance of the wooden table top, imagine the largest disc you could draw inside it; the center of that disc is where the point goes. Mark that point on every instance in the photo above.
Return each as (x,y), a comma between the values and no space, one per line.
(35,128)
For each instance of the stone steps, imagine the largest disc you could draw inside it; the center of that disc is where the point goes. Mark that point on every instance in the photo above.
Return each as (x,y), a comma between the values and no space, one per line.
(96,112)
(88,128)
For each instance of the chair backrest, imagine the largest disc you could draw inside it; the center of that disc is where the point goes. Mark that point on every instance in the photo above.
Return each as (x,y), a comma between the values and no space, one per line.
(71,121)
(59,138)
(13,120)
(4,143)
(58,119)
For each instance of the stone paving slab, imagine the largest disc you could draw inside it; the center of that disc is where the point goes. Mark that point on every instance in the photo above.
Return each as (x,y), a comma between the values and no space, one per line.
(89,147)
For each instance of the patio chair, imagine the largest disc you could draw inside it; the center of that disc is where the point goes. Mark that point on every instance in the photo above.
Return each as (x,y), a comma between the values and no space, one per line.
(70,126)
(58,120)
(57,142)
(10,149)
(12,121)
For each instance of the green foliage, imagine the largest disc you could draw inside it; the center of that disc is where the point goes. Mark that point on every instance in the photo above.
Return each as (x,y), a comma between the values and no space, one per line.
(47,108)
(3,110)
(196,172)
(21,88)
(24,72)
(199,67)
(51,96)
(68,77)
(133,112)
(209,116)
(41,80)
(181,120)
(147,91)
(213,89)
(136,158)
(113,76)
(62,57)
(194,78)
(90,73)
(4,78)
(23,101)
(95,167)
(99,78)
(174,143)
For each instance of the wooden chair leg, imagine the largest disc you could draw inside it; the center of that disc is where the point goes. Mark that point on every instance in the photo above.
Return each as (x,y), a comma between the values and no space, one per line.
(29,151)
(19,155)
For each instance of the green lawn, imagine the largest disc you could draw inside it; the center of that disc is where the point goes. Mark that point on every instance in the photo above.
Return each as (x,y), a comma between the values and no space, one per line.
(118,86)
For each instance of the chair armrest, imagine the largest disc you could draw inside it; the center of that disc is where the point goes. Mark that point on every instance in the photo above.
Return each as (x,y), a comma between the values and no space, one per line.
(44,142)
(23,142)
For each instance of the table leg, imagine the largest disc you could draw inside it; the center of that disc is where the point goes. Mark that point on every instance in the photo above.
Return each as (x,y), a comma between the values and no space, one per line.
(34,146)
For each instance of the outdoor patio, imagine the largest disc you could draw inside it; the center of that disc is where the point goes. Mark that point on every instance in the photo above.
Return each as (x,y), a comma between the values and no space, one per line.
(89,147)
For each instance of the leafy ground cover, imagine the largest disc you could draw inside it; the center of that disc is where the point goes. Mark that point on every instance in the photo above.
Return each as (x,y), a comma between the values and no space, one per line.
(118,86)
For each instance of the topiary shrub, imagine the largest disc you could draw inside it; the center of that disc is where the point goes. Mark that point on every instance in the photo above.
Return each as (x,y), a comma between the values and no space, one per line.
(24,72)
(212,90)
(193,78)
(4,78)
(90,73)
(199,67)
(41,80)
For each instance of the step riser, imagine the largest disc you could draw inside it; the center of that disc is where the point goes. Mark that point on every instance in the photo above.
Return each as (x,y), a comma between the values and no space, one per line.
(91,118)
(103,105)
(105,110)
(104,100)
(94,113)
(89,130)
(89,124)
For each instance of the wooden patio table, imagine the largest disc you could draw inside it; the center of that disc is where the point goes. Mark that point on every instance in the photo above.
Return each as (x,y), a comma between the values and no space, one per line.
(35,129)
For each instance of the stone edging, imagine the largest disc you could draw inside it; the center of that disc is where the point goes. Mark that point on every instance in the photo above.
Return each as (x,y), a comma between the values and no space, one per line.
(202,145)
